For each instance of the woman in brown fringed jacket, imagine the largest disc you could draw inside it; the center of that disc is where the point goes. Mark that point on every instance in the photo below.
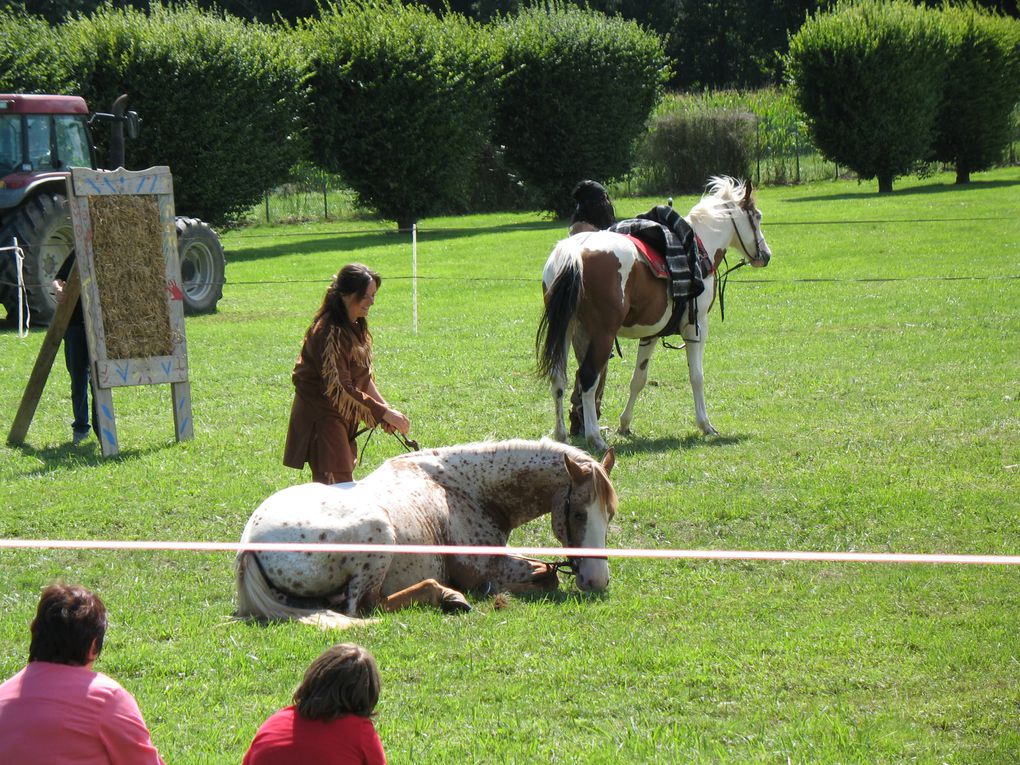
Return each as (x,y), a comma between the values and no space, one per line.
(334,388)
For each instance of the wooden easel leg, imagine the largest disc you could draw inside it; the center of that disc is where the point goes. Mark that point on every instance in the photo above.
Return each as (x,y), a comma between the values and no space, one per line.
(107,423)
(183,425)
(44,361)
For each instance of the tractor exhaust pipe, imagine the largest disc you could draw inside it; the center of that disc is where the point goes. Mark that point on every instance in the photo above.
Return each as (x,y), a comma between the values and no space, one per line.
(118,119)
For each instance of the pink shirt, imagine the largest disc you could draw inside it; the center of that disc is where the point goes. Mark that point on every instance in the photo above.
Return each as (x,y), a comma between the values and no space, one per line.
(58,713)
(287,738)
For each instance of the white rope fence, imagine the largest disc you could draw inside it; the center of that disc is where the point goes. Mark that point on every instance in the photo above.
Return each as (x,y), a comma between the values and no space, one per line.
(570,552)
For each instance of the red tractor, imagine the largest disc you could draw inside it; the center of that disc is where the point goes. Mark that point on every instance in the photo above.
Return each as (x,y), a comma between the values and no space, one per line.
(41,137)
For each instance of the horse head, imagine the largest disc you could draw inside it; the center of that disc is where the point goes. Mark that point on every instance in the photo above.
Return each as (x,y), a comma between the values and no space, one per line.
(583,520)
(727,216)
(747,228)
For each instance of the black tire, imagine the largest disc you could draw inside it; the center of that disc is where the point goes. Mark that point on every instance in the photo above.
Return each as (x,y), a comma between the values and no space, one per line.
(203,265)
(42,225)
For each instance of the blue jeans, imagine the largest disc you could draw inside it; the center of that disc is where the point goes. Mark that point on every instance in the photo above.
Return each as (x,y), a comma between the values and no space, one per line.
(76,356)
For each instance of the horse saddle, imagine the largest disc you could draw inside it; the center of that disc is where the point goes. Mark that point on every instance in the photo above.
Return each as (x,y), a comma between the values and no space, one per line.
(652,257)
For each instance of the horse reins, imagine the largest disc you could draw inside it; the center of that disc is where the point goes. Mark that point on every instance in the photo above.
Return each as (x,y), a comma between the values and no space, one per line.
(757,257)
(409,444)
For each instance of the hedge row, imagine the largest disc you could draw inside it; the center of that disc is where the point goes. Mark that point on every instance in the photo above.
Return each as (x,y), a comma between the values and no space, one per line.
(408,107)
(886,85)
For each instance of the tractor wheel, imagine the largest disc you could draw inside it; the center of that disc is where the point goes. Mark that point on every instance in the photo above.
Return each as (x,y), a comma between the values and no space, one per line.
(42,226)
(202,265)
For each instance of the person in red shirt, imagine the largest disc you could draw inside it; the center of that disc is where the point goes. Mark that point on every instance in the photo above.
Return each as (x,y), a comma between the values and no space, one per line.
(330,721)
(57,710)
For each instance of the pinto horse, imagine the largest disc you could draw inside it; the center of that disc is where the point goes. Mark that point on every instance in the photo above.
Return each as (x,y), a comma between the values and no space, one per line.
(598,285)
(473,494)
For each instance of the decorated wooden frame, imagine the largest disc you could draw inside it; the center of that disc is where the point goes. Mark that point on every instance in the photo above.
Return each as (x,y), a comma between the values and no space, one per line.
(126,247)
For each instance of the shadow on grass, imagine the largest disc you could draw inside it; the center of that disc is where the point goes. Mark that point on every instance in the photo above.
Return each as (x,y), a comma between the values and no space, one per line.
(935,188)
(355,241)
(567,593)
(86,454)
(632,444)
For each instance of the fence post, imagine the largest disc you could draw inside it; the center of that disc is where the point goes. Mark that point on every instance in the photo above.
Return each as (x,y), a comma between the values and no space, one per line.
(325,201)
(267,206)
(757,148)
(796,148)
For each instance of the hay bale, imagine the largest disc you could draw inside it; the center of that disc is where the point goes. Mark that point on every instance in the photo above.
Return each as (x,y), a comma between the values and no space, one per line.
(130,273)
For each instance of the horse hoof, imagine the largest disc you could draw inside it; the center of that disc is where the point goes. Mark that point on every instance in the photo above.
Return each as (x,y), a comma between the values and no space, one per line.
(454,603)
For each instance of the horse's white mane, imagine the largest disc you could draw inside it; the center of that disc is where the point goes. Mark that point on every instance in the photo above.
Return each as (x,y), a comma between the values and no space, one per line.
(720,194)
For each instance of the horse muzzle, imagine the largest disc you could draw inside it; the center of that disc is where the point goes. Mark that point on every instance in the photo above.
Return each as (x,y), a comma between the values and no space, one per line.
(761,257)
(592,574)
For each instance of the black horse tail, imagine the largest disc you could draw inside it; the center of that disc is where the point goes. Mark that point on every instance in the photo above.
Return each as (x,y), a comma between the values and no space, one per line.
(560,306)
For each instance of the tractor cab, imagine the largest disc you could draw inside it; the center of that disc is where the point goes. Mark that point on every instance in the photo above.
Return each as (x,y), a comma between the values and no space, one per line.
(40,138)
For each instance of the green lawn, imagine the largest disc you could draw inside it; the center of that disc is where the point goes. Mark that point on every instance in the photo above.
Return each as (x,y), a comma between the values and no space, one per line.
(867,388)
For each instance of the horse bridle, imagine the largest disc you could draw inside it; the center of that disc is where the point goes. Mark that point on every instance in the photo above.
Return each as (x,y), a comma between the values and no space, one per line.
(757,257)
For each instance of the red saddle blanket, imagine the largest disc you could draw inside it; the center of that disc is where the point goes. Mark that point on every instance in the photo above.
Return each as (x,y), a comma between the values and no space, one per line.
(651,256)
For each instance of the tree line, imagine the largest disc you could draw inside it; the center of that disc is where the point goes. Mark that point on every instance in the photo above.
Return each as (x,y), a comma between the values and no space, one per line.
(710,43)
(425,114)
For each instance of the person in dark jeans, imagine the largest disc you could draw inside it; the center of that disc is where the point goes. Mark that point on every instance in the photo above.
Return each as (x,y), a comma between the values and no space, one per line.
(76,357)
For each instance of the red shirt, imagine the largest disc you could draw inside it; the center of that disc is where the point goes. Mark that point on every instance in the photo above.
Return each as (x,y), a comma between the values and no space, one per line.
(287,738)
(61,713)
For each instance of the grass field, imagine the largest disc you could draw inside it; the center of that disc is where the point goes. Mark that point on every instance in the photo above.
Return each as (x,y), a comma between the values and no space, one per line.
(867,388)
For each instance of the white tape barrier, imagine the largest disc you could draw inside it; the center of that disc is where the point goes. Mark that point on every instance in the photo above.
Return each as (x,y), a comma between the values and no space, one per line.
(556,552)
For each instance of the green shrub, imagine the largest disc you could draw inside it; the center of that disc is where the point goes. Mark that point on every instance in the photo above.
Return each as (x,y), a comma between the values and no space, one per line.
(868,76)
(219,98)
(974,127)
(777,147)
(682,149)
(403,103)
(577,93)
(27,63)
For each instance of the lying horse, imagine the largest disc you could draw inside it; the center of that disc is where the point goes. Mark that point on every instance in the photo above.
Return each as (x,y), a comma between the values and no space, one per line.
(597,285)
(474,494)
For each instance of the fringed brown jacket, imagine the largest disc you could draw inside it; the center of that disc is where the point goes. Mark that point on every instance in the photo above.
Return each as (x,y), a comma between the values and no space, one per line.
(330,399)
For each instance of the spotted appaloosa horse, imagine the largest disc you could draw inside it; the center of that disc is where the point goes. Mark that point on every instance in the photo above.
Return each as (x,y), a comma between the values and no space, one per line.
(474,494)
(596,285)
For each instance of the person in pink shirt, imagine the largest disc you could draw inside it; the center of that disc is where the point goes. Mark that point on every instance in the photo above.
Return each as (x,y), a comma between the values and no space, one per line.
(330,721)
(58,710)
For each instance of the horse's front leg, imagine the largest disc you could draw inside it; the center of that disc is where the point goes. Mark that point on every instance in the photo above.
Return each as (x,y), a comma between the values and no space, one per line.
(638,381)
(514,574)
(695,367)
(428,592)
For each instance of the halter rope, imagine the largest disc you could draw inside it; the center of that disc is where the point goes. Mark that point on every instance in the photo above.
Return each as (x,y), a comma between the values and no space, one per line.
(409,444)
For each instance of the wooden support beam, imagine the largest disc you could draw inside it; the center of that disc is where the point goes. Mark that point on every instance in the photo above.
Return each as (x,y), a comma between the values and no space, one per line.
(44,362)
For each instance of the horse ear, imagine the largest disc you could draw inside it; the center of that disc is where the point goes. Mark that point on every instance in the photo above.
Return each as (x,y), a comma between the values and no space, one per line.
(748,194)
(609,460)
(575,470)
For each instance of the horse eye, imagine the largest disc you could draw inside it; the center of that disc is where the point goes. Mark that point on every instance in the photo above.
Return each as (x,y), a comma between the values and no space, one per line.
(579,516)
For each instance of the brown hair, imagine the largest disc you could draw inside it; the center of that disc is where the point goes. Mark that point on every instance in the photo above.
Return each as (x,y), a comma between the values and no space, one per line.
(68,621)
(352,279)
(343,680)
